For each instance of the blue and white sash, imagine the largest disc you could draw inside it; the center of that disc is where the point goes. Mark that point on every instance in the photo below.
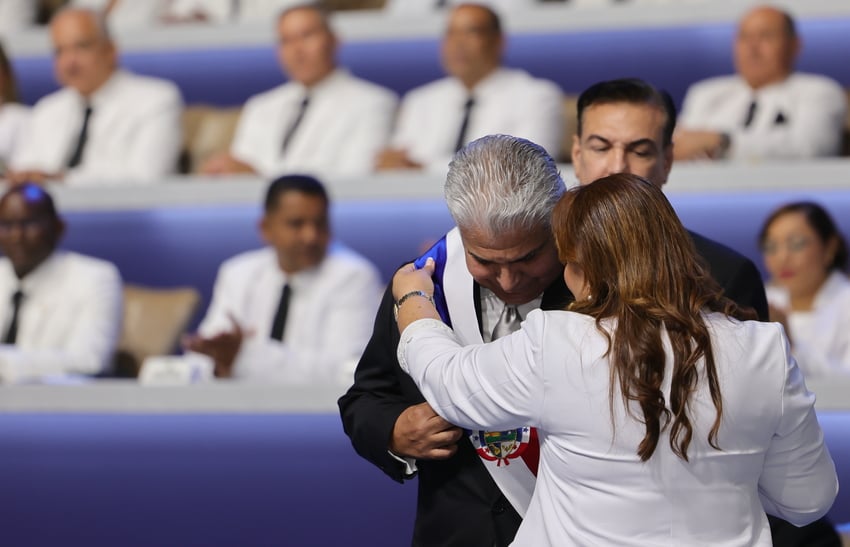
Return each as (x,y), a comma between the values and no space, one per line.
(454,297)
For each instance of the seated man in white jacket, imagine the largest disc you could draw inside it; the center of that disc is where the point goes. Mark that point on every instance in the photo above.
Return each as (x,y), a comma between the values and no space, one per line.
(767,110)
(296,311)
(478,97)
(105,125)
(323,121)
(60,311)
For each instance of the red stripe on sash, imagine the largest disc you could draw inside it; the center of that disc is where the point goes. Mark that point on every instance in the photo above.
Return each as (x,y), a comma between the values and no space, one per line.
(531,454)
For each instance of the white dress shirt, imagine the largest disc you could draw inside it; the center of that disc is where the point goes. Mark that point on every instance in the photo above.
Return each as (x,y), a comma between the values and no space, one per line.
(801,117)
(69,321)
(345,125)
(492,308)
(821,336)
(329,320)
(508,101)
(16,16)
(13,123)
(134,132)
(592,488)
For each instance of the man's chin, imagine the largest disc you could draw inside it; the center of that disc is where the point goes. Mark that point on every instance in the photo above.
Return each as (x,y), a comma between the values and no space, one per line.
(516,298)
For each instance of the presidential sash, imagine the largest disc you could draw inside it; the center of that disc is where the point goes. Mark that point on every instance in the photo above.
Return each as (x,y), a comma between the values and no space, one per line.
(511,456)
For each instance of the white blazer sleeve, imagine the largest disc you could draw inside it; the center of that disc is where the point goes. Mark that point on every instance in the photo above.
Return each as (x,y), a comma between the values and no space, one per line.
(798,481)
(488,386)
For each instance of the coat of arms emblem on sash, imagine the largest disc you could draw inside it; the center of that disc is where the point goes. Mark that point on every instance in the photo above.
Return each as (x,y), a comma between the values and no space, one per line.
(500,446)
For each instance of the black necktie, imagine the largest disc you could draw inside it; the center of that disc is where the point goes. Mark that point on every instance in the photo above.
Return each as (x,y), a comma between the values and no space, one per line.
(295,123)
(77,154)
(751,113)
(280,316)
(461,136)
(12,333)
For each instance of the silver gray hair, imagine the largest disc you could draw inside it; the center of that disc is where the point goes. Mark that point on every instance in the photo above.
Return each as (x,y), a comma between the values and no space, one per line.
(500,183)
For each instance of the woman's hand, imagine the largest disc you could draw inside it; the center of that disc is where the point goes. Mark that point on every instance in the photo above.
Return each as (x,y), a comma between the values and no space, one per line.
(408,279)
(413,291)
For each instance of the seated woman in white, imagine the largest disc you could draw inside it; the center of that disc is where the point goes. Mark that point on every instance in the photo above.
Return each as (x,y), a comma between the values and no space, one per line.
(664,417)
(809,292)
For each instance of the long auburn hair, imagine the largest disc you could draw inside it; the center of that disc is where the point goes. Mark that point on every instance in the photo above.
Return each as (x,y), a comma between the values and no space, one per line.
(643,271)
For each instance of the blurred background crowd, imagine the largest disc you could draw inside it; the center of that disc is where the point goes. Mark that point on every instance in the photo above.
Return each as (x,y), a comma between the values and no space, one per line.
(78,112)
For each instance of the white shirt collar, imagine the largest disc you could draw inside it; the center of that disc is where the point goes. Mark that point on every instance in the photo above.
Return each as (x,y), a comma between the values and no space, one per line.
(104,93)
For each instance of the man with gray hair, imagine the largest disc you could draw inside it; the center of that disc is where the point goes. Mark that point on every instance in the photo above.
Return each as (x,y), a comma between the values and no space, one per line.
(496,266)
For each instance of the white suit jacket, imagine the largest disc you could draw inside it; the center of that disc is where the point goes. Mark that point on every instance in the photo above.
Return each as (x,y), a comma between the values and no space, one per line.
(69,321)
(592,488)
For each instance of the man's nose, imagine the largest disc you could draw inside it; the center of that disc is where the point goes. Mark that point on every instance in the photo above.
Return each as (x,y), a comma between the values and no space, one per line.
(310,233)
(508,279)
(617,162)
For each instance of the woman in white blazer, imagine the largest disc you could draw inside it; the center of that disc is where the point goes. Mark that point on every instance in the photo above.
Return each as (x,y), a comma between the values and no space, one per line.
(664,417)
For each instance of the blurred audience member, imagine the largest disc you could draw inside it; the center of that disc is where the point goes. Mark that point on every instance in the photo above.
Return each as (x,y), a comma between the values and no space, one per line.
(105,124)
(418,7)
(61,311)
(13,115)
(806,257)
(324,120)
(314,332)
(16,15)
(479,97)
(767,110)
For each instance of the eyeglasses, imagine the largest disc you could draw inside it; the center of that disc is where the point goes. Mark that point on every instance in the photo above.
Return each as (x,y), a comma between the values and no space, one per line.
(793,245)
(26,224)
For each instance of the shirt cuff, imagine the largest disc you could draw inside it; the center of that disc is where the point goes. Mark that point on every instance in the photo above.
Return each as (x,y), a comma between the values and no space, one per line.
(410,468)
(409,333)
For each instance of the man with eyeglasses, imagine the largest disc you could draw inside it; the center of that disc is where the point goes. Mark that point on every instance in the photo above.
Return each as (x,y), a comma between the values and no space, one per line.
(60,312)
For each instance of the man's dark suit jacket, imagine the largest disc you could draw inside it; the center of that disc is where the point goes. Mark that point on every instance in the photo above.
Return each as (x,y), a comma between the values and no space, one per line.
(458,503)
(739,277)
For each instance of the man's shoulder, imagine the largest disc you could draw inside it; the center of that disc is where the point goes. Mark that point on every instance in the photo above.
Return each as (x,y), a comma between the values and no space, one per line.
(153,87)
(343,259)
(270,96)
(359,89)
(521,80)
(14,111)
(248,260)
(716,85)
(817,82)
(59,100)
(715,252)
(432,90)
(84,266)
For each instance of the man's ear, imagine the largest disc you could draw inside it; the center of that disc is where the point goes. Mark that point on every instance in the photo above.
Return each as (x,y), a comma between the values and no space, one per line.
(576,154)
(58,229)
(668,161)
(263,228)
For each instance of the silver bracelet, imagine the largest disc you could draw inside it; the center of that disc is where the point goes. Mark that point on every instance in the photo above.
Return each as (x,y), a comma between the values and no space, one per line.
(404,297)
